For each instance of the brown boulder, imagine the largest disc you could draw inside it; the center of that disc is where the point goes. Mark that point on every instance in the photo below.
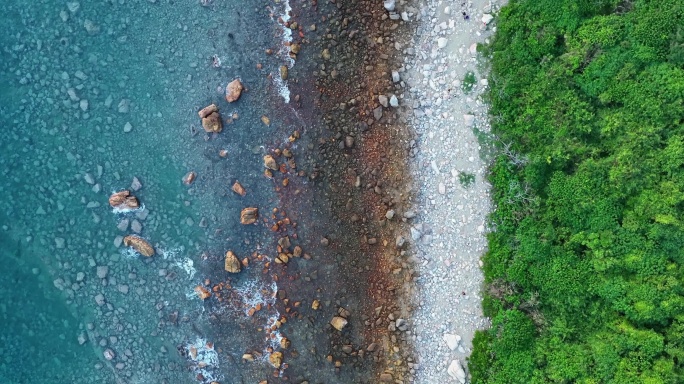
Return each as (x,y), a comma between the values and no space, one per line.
(338,322)
(202,292)
(239,189)
(234,90)
(232,263)
(189,178)
(206,111)
(249,215)
(212,123)
(270,163)
(139,244)
(123,199)
(276,359)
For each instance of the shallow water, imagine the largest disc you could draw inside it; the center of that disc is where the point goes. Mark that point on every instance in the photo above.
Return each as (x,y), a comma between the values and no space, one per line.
(93,94)
(73,76)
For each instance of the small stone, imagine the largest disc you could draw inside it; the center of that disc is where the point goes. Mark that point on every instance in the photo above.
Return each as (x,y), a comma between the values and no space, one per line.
(265,120)
(394,102)
(234,90)
(441,188)
(348,141)
(382,99)
(395,77)
(239,189)
(270,163)
(338,322)
(386,378)
(389,214)
(400,241)
(442,42)
(415,234)
(377,113)
(99,299)
(83,104)
(325,54)
(283,72)
(389,5)
(127,127)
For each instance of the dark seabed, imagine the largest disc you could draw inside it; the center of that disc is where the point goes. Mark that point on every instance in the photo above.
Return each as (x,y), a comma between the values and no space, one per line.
(95,95)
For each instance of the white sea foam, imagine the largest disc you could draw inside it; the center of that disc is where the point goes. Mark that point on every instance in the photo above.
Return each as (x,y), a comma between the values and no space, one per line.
(284,51)
(206,362)
(122,210)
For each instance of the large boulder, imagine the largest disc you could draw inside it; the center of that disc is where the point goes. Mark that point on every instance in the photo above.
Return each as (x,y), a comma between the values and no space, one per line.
(139,244)
(212,123)
(232,264)
(249,215)
(456,371)
(123,200)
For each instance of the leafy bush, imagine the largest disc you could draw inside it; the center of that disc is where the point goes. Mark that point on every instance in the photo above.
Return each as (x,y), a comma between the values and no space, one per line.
(468,82)
(585,269)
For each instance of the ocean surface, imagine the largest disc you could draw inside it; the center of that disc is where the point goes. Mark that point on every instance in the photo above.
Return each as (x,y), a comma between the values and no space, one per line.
(97,94)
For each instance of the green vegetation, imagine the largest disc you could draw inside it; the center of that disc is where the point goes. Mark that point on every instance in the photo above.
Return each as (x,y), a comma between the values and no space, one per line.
(585,270)
(466,179)
(469,81)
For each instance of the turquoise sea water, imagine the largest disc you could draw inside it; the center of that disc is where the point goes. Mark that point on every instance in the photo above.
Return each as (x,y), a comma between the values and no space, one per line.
(74,78)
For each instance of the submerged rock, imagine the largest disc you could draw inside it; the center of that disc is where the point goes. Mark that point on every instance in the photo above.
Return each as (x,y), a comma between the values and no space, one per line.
(232,264)
(283,72)
(123,199)
(189,178)
(202,292)
(249,215)
(139,244)
(234,90)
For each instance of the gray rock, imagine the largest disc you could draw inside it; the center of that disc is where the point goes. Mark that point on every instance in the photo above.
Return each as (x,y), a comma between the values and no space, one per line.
(389,214)
(415,234)
(442,42)
(136,185)
(382,99)
(456,371)
(100,299)
(123,225)
(102,271)
(395,77)
(394,101)
(389,5)
(377,113)
(400,241)
(136,226)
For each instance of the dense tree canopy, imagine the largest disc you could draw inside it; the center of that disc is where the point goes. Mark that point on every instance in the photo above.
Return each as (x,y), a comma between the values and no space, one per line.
(585,268)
